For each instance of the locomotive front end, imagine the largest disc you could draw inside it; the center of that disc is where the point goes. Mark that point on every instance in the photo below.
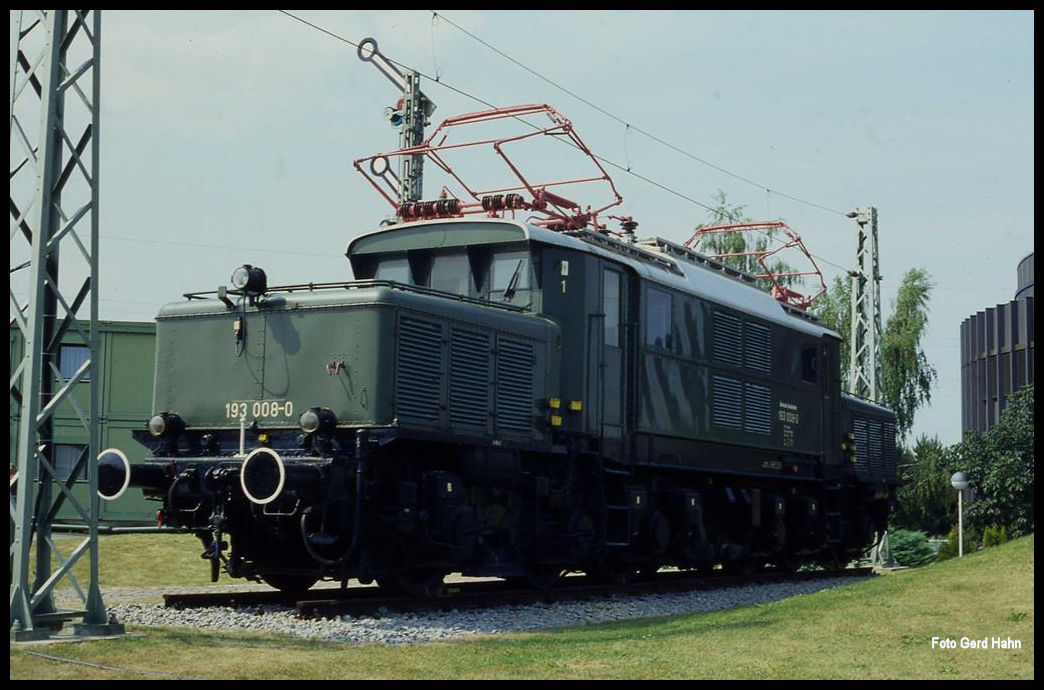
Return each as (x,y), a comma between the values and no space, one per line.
(340,430)
(264,414)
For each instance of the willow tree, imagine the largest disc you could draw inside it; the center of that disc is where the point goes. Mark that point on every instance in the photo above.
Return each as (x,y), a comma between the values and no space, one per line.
(835,311)
(926,501)
(749,244)
(906,375)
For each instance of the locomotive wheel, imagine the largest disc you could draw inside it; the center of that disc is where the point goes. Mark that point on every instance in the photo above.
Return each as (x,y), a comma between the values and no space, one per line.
(613,573)
(787,563)
(744,565)
(581,535)
(290,584)
(544,577)
(648,572)
(417,582)
(833,560)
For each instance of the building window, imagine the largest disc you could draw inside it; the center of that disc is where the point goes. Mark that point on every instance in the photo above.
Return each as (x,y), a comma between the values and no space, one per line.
(658,318)
(72,358)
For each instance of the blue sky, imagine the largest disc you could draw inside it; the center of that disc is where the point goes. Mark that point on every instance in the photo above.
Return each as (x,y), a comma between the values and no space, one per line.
(227,137)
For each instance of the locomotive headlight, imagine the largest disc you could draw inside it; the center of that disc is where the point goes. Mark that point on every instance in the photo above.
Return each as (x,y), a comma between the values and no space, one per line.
(250,280)
(166,425)
(309,422)
(157,425)
(317,419)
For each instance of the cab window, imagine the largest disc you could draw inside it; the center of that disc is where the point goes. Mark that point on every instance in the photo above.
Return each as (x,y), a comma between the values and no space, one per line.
(510,279)
(451,273)
(395,270)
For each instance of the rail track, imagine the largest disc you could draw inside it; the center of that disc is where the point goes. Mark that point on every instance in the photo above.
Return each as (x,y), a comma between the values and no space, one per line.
(373,601)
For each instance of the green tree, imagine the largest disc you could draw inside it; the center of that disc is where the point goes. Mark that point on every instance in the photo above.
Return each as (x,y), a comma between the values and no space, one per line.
(906,375)
(835,311)
(1000,466)
(926,501)
(725,244)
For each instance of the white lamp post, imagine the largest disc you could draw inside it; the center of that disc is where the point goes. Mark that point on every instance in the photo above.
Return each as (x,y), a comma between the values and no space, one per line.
(959,481)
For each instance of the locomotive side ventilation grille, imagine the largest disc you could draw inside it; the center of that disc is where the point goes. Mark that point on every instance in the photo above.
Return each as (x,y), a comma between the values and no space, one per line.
(757,409)
(469,379)
(888,432)
(728,342)
(876,449)
(418,382)
(757,347)
(727,410)
(514,395)
(862,441)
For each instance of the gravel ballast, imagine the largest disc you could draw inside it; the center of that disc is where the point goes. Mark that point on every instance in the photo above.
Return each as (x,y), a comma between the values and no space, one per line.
(408,628)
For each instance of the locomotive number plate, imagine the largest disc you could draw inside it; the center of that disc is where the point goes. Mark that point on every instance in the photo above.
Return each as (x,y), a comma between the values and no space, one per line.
(789,417)
(259,409)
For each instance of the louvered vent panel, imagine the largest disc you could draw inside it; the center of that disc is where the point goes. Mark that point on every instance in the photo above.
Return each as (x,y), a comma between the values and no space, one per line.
(418,384)
(469,379)
(727,408)
(859,427)
(876,448)
(757,409)
(757,348)
(728,342)
(889,449)
(514,395)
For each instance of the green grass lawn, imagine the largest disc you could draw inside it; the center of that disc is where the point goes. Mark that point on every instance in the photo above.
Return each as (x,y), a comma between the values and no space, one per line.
(143,560)
(881,628)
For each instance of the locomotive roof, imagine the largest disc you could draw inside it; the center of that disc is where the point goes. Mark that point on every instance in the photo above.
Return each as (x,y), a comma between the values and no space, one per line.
(681,272)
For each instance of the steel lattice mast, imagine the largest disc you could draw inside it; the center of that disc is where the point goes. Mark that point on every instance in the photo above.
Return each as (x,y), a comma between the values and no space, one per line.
(865,338)
(410,115)
(54,213)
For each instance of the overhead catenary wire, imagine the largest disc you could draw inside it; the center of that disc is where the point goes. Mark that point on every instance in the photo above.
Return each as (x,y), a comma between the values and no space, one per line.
(623,168)
(631,125)
(196,245)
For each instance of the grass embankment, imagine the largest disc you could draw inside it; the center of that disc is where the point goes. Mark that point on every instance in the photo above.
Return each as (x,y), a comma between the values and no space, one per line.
(882,628)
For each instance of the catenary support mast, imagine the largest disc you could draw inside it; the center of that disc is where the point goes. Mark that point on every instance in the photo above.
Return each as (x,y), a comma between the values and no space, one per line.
(865,338)
(54,213)
(410,115)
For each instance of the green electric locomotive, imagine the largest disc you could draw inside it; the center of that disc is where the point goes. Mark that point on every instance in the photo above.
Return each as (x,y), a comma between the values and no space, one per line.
(508,398)
(495,398)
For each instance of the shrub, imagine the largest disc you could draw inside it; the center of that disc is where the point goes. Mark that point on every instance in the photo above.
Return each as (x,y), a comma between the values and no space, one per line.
(910,548)
(949,549)
(991,536)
